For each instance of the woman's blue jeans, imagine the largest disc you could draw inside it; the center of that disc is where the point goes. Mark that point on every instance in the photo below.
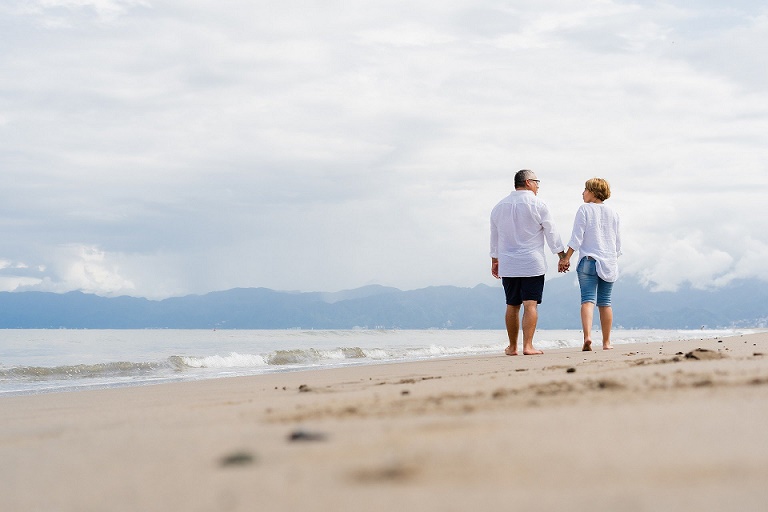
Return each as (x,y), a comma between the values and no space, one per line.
(593,288)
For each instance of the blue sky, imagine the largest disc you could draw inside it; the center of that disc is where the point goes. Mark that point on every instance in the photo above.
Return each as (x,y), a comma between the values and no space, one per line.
(159,148)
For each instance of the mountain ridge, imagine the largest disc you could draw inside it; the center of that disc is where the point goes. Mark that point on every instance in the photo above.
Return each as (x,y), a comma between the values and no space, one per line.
(740,304)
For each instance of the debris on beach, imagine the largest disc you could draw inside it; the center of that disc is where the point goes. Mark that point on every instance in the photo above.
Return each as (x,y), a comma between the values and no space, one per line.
(238,459)
(304,435)
(608,384)
(388,473)
(702,354)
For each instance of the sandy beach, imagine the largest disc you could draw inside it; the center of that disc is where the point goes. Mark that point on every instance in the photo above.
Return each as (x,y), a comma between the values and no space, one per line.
(655,426)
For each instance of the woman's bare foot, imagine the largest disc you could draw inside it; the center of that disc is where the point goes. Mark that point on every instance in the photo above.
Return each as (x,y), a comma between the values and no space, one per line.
(532,352)
(587,346)
(607,346)
(510,351)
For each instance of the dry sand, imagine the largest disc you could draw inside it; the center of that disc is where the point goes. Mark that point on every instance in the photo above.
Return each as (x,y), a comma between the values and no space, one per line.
(641,427)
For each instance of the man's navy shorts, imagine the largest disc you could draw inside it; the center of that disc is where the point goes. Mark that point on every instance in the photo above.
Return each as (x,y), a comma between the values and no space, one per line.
(519,289)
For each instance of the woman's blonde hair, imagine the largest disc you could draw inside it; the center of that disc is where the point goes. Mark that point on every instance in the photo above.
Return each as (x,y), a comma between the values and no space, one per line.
(599,187)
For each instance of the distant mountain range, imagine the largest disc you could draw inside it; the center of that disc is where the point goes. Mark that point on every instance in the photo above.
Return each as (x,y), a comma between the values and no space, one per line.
(741,304)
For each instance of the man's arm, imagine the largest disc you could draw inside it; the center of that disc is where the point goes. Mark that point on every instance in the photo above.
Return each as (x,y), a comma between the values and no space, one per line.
(551,235)
(495,268)
(494,248)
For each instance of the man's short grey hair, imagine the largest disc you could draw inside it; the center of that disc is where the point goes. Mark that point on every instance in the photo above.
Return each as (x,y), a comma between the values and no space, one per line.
(521,176)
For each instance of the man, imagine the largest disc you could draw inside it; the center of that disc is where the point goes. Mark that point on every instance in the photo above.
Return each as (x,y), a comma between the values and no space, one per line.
(520,224)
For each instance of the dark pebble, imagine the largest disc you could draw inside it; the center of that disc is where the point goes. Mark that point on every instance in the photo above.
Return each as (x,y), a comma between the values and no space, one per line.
(238,459)
(571,370)
(303,435)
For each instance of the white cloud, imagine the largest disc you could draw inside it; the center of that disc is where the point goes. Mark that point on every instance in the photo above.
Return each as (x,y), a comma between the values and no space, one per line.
(404,34)
(749,264)
(12,283)
(51,15)
(89,270)
(671,262)
(75,267)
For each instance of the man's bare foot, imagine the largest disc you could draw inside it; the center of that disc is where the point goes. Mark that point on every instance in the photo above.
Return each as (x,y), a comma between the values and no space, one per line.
(607,346)
(587,346)
(510,351)
(532,352)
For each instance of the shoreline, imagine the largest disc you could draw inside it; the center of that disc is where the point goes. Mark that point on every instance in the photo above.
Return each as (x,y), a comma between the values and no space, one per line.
(103,369)
(640,427)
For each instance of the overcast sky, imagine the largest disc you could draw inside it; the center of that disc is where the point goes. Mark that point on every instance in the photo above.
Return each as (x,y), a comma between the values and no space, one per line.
(165,147)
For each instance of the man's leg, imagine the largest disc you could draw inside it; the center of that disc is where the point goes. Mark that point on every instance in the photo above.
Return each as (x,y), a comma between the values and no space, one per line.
(587,315)
(530,319)
(512,320)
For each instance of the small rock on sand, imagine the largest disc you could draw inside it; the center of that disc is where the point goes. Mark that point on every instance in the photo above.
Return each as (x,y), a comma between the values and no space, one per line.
(304,435)
(702,354)
(237,459)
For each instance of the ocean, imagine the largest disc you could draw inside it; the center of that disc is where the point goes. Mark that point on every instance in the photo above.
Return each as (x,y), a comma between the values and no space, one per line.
(58,360)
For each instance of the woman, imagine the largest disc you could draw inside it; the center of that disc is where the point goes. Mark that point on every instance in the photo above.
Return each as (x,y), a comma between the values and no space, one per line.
(596,237)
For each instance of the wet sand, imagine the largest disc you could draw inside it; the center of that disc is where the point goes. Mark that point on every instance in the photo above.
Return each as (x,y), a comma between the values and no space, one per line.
(652,426)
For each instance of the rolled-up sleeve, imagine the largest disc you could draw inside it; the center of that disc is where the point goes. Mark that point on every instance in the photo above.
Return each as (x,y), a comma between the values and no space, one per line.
(579,227)
(494,238)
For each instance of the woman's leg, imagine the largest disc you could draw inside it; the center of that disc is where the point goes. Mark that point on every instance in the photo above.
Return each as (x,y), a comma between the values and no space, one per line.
(604,290)
(587,275)
(587,315)
(606,320)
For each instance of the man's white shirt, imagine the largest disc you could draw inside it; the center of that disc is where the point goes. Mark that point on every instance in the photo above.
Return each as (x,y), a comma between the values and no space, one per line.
(520,225)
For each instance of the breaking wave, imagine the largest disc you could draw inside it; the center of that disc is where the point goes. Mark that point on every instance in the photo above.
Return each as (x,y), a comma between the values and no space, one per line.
(80,371)
(237,363)
(304,357)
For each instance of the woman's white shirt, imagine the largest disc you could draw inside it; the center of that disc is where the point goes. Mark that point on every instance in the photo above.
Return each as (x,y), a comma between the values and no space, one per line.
(596,233)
